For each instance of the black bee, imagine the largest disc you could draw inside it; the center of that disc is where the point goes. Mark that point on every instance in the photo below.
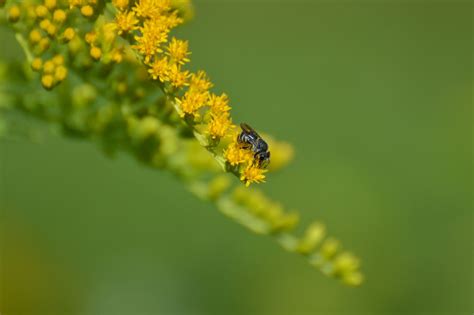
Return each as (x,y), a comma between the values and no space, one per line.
(250,139)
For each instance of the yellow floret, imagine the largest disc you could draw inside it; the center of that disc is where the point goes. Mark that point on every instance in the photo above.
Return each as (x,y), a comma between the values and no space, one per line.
(69,34)
(14,13)
(36,64)
(59,16)
(95,52)
(87,11)
(60,73)
(47,81)
(35,36)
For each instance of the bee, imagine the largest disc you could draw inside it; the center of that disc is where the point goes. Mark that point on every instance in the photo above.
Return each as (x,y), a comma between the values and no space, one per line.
(250,139)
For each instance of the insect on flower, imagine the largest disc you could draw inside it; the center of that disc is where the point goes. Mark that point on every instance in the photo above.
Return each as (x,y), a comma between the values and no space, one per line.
(250,139)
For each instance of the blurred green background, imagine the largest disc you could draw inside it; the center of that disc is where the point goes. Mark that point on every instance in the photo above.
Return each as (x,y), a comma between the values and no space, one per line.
(376,98)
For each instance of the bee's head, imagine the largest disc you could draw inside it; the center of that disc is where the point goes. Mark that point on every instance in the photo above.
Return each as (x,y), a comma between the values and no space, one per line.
(263,158)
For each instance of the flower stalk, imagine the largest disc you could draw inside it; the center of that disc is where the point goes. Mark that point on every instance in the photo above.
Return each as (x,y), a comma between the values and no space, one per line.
(112,73)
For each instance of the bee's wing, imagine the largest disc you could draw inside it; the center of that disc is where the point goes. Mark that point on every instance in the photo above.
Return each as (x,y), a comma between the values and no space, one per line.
(248,129)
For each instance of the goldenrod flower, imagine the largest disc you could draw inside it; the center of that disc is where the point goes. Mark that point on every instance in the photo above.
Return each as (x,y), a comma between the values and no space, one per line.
(192,101)
(219,125)
(68,34)
(178,51)
(126,22)
(117,55)
(177,77)
(41,11)
(50,4)
(91,37)
(219,104)
(120,4)
(95,52)
(200,81)
(59,16)
(35,36)
(14,13)
(253,174)
(44,44)
(51,29)
(36,64)
(44,24)
(58,60)
(151,8)
(75,3)
(149,43)
(159,69)
(60,73)
(48,67)
(87,11)
(235,154)
(47,81)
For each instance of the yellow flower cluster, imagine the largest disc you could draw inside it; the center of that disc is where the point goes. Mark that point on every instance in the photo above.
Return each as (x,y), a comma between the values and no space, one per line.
(149,23)
(53,70)
(143,27)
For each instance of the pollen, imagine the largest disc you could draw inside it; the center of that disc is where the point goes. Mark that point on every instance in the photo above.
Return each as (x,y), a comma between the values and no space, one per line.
(253,174)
